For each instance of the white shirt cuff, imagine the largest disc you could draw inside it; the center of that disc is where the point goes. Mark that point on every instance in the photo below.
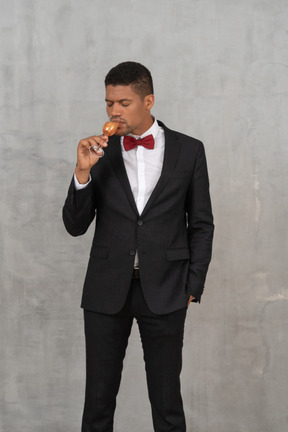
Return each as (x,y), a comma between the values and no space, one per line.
(78,185)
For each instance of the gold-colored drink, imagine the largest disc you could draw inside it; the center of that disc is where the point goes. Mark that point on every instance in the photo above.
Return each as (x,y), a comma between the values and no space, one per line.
(110,128)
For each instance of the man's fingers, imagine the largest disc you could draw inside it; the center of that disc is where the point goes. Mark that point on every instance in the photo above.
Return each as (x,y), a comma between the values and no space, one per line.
(94,141)
(90,151)
(98,140)
(190,299)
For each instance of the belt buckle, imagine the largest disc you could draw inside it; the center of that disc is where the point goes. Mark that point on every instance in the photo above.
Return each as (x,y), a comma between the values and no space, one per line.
(136,273)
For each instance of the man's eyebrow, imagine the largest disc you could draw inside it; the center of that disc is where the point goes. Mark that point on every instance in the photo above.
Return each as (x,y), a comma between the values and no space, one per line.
(121,100)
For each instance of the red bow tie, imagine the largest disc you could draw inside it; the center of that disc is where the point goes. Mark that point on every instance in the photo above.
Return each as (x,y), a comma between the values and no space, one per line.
(129,142)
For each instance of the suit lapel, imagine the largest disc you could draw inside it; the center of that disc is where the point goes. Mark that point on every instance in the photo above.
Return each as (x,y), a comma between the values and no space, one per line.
(114,153)
(171,154)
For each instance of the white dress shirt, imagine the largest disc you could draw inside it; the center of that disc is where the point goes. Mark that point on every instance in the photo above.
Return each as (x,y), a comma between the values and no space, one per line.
(143,167)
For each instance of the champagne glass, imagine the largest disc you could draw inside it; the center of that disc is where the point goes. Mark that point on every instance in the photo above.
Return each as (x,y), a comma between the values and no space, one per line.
(109,129)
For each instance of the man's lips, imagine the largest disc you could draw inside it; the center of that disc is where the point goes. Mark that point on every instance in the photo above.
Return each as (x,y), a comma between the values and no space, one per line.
(118,121)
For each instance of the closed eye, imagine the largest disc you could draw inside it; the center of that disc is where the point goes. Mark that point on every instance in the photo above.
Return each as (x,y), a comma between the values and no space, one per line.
(123,102)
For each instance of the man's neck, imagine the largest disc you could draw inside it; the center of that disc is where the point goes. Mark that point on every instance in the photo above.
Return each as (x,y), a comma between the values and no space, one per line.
(139,132)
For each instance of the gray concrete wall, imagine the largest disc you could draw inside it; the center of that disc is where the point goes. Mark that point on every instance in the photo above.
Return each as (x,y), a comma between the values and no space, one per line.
(220,69)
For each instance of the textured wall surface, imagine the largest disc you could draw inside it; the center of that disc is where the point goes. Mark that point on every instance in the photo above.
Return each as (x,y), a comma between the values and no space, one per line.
(220,69)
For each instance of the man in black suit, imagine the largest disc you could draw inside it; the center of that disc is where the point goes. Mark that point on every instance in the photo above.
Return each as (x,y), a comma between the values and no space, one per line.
(151,247)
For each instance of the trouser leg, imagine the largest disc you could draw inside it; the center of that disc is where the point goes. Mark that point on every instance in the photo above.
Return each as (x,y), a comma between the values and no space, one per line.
(162,340)
(106,341)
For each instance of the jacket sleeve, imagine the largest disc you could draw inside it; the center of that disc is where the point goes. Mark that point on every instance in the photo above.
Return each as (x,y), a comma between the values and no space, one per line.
(79,209)
(200,226)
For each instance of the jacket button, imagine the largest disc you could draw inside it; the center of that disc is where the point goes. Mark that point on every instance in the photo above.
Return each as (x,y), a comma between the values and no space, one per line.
(140,222)
(132,252)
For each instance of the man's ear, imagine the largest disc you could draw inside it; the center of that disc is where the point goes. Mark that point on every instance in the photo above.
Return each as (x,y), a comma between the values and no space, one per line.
(149,101)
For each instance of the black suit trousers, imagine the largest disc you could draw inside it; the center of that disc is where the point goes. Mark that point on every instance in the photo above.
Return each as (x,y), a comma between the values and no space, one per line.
(106,342)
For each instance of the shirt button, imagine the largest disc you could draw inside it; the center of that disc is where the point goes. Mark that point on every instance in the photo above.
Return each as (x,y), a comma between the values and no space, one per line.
(132,252)
(140,222)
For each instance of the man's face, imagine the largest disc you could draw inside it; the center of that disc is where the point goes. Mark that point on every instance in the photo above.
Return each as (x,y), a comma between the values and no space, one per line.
(130,110)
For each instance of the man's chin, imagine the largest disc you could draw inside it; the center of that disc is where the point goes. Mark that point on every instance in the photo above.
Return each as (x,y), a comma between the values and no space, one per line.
(122,130)
(120,133)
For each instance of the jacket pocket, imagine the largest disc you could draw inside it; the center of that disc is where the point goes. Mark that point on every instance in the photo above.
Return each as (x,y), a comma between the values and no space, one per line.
(99,252)
(177,254)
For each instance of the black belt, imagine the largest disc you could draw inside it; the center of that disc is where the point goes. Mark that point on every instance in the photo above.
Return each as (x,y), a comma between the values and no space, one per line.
(136,273)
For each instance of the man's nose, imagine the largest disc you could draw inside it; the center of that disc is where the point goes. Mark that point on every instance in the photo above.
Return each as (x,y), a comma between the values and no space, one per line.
(115,110)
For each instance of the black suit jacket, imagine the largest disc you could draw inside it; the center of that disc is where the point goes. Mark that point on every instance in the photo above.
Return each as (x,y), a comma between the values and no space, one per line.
(173,235)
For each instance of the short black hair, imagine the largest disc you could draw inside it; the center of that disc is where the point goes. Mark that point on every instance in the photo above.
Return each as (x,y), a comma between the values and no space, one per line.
(131,73)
